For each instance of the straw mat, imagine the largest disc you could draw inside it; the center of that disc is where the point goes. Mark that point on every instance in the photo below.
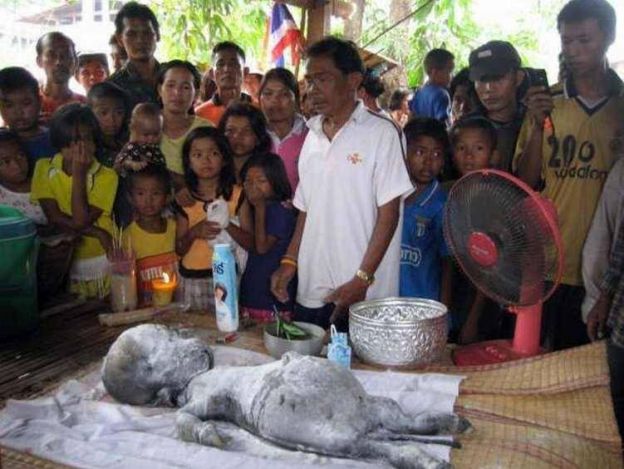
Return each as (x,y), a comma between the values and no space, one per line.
(10,459)
(552,373)
(513,445)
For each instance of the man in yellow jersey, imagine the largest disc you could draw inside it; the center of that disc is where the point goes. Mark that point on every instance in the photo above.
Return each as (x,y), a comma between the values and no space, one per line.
(566,148)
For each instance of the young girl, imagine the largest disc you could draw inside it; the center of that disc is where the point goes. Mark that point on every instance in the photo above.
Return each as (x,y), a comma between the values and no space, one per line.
(209,174)
(246,130)
(266,190)
(15,178)
(76,193)
(110,105)
(151,236)
(55,251)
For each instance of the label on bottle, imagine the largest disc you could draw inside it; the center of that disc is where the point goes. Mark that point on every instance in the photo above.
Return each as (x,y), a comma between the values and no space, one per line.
(225,291)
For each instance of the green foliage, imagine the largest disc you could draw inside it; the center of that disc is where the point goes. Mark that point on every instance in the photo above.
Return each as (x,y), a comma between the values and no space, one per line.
(451,24)
(191,28)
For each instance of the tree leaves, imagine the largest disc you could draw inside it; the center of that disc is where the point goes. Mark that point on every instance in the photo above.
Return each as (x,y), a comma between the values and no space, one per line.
(191,28)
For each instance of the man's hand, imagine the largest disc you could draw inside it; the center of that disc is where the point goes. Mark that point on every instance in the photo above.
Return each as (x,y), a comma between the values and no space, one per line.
(597,318)
(206,230)
(184,198)
(346,295)
(539,104)
(280,280)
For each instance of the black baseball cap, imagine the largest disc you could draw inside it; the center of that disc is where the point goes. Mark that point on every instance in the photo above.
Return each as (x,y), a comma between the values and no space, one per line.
(493,59)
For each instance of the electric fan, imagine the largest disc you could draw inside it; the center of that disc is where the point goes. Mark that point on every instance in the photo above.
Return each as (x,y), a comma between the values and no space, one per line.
(506,239)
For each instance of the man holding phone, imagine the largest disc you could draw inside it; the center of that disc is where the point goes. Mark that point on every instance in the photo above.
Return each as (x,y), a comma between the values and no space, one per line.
(566,148)
(495,70)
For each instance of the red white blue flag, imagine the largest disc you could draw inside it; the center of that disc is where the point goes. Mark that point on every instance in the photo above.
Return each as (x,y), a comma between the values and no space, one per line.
(284,34)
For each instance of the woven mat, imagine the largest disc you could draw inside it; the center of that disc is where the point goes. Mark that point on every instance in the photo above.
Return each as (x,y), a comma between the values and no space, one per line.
(552,373)
(509,445)
(10,459)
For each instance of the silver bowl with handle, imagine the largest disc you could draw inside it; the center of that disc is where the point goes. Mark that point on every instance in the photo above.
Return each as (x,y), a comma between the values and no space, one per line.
(276,346)
(398,332)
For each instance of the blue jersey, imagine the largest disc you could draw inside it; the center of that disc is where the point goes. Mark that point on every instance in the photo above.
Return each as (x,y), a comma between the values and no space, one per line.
(423,245)
(431,101)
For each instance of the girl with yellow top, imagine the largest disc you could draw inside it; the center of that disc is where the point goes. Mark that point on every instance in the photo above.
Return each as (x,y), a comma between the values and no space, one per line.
(77,193)
(209,174)
(150,236)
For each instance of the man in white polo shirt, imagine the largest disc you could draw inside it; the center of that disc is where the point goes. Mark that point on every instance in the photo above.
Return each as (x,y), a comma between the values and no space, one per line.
(352,174)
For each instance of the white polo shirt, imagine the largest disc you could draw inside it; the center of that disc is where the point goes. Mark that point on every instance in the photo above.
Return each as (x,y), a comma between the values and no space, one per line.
(342,184)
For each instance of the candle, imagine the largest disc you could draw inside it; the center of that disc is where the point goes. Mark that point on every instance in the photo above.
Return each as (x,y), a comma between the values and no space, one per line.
(162,290)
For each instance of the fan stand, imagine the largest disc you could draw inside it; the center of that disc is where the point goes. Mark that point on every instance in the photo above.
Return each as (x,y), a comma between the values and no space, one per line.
(524,344)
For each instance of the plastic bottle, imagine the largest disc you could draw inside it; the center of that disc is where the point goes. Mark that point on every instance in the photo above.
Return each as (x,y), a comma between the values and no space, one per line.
(226,296)
(339,351)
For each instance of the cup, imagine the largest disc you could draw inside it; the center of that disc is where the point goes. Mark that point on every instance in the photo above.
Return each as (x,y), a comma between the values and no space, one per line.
(162,289)
(123,283)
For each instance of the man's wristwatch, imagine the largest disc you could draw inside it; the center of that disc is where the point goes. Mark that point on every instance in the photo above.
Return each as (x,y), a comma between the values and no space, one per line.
(366,277)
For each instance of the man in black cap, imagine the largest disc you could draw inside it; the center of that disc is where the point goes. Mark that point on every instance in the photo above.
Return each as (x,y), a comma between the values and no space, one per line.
(496,73)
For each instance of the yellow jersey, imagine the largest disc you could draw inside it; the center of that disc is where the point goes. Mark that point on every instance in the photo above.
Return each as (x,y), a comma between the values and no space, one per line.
(145,244)
(577,156)
(198,260)
(51,182)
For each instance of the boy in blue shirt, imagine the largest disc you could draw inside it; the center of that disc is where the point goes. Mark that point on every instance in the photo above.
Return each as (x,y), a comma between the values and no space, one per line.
(20,105)
(425,266)
(433,100)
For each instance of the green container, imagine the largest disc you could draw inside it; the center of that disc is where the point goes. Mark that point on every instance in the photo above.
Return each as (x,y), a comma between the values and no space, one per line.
(18,276)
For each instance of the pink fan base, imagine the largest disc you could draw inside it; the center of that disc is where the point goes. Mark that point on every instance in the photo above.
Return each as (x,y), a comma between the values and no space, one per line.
(524,344)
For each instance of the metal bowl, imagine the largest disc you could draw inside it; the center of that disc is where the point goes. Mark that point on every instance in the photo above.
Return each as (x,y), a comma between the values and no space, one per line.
(398,332)
(278,346)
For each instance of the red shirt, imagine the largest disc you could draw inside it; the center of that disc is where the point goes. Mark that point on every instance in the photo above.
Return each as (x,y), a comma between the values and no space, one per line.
(49,105)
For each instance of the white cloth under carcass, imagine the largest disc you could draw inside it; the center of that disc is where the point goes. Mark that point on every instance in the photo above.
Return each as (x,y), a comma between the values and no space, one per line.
(81,426)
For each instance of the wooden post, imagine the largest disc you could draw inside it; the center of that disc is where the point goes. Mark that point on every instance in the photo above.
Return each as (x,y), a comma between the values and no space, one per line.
(318,20)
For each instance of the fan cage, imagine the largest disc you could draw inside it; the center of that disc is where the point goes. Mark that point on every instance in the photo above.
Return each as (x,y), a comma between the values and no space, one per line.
(529,259)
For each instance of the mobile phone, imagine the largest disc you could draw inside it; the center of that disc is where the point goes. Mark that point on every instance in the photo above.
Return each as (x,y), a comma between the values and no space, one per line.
(537,77)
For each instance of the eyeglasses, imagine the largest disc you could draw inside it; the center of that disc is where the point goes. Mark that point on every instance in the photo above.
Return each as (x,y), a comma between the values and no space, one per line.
(319,80)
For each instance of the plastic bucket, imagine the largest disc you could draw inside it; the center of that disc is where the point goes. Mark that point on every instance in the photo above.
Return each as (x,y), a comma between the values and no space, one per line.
(18,276)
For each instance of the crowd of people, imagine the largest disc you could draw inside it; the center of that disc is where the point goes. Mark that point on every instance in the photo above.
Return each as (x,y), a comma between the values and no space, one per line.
(331,197)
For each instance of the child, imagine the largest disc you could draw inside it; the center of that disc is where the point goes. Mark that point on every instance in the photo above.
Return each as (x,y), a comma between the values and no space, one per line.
(433,100)
(55,251)
(473,316)
(118,54)
(151,236)
(146,125)
(142,149)
(15,178)
(209,174)
(20,105)
(266,190)
(92,69)
(111,107)
(474,144)
(246,130)
(77,193)
(425,267)
(56,55)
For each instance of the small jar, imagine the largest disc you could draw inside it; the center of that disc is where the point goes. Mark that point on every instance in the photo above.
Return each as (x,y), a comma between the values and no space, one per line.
(123,284)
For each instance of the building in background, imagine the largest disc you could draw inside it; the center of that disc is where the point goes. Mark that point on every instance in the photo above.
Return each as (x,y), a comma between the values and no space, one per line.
(89,23)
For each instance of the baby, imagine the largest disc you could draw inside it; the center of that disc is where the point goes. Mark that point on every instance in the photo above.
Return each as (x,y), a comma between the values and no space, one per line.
(146,124)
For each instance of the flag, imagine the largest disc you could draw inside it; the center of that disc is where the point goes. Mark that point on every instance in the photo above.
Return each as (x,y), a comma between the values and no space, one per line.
(284,34)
